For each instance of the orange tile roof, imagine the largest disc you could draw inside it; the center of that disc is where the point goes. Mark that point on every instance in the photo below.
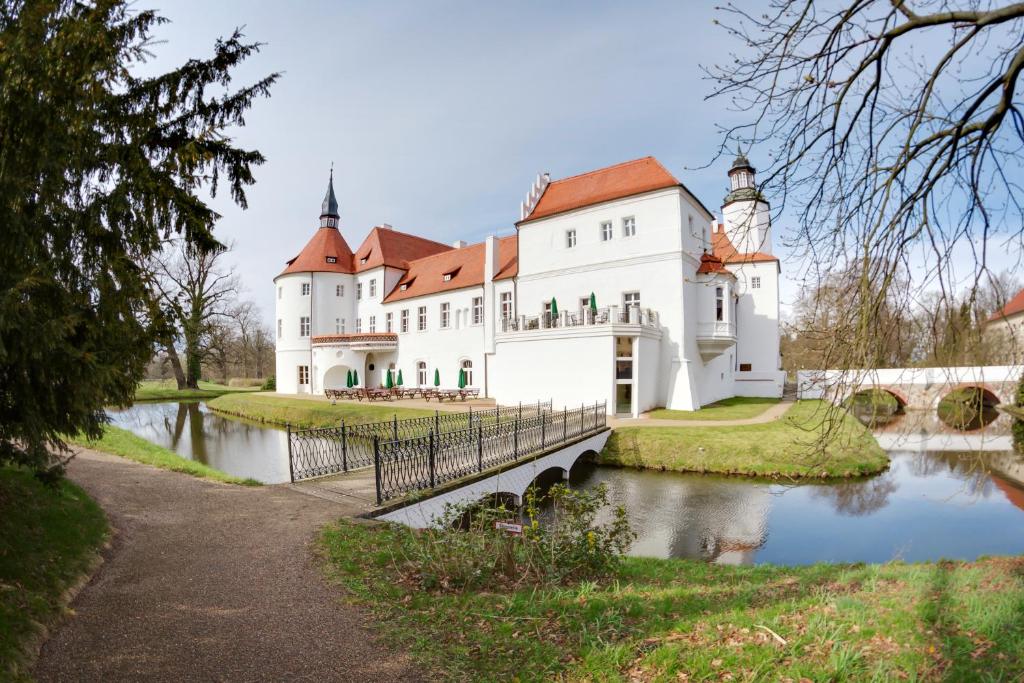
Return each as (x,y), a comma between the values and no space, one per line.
(426,275)
(389,247)
(709,263)
(1012,307)
(614,182)
(326,243)
(723,248)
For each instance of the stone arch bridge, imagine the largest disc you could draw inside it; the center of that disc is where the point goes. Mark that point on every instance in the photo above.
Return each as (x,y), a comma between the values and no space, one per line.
(914,388)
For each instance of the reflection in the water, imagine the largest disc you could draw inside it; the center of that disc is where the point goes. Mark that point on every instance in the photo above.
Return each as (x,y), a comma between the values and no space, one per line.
(233,446)
(930,504)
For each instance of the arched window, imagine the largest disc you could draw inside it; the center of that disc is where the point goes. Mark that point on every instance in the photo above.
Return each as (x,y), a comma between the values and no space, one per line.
(467,367)
(421,373)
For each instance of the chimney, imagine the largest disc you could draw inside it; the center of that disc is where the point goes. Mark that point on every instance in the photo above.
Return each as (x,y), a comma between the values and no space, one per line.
(459,244)
(384,226)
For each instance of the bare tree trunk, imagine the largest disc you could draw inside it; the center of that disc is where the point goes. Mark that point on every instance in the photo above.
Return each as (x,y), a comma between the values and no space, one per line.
(179,374)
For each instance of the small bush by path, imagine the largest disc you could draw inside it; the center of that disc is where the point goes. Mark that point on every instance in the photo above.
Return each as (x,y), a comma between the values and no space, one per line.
(735,408)
(784,447)
(117,441)
(49,537)
(167,390)
(300,412)
(668,620)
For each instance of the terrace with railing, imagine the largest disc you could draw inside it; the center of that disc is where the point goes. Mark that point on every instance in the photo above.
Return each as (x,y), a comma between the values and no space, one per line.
(586,317)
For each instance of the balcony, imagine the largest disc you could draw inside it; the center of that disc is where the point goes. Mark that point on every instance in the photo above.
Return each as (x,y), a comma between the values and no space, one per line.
(715,338)
(366,341)
(610,315)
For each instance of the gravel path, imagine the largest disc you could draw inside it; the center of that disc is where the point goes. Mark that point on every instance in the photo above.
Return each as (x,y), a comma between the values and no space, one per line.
(770,415)
(210,582)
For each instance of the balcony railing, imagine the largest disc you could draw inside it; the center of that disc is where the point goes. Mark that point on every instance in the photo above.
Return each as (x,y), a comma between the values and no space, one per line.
(716,330)
(359,341)
(609,315)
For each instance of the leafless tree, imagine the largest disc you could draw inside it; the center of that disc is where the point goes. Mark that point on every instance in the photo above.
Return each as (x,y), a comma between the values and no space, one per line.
(896,134)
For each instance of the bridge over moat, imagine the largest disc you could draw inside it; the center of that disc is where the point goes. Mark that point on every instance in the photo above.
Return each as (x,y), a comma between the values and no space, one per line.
(913,388)
(407,470)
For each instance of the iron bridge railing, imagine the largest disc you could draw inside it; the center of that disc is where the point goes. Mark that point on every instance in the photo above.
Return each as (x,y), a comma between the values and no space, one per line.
(430,460)
(323,451)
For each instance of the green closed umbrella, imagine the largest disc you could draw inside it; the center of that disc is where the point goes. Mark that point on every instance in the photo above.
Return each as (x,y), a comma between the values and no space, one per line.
(400,382)
(593,303)
(554,308)
(437,377)
(355,378)
(388,384)
(348,379)
(462,378)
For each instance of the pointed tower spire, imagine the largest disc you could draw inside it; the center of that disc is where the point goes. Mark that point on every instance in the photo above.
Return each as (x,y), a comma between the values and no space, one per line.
(329,215)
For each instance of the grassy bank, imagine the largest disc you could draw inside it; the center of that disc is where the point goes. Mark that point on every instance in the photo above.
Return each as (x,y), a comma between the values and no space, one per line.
(117,441)
(300,412)
(669,620)
(167,390)
(785,447)
(735,408)
(49,536)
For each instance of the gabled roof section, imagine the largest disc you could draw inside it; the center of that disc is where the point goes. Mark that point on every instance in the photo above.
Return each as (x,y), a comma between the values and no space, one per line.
(466,265)
(711,264)
(723,248)
(388,247)
(327,244)
(614,182)
(1014,306)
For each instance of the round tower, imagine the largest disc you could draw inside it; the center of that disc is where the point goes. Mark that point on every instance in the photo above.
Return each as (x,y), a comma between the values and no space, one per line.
(745,212)
(314,296)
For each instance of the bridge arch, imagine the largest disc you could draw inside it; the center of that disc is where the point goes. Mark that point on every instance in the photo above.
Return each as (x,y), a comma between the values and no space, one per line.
(989,395)
(968,406)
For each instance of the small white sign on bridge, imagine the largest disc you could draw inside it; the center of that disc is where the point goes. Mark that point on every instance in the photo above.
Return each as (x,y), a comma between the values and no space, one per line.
(510,527)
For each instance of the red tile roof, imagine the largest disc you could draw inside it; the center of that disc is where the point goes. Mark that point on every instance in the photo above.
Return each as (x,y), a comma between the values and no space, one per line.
(389,247)
(723,248)
(426,275)
(614,182)
(709,263)
(326,243)
(1013,307)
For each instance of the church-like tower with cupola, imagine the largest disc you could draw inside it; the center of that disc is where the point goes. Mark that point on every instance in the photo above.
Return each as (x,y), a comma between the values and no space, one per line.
(746,213)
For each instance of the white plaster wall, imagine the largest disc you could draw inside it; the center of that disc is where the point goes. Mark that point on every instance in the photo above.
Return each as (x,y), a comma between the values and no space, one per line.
(443,349)
(748,226)
(647,370)
(757,316)
(570,366)
(292,349)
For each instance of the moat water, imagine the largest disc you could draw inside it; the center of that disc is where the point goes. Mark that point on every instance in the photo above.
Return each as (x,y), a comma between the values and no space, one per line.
(947,494)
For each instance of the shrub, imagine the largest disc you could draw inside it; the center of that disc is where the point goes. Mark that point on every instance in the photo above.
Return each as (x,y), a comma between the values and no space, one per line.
(1018,424)
(560,542)
(244,382)
(270,384)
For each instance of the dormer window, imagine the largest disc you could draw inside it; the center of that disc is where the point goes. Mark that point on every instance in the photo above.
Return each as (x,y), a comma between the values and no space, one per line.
(447,277)
(405,286)
(450,274)
(332,259)
(363,260)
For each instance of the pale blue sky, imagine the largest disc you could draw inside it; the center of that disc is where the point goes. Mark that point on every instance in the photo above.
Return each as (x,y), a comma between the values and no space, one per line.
(438,115)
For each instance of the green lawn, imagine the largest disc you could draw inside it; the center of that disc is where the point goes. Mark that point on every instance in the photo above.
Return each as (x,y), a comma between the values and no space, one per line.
(122,442)
(49,536)
(167,390)
(301,412)
(786,447)
(735,408)
(679,620)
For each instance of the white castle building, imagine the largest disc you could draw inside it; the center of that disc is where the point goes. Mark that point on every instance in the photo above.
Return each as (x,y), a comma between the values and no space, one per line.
(617,285)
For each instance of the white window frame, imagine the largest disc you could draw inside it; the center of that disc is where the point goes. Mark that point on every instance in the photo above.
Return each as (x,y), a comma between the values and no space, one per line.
(478,310)
(421,318)
(337,326)
(467,367)
(720,304)
(570,238)
(505,299)
(373,324)
(304,326)
(630,299)
(279,292)
(339,290)
(305,289)
(359,325)
(373,287)
(755,282)
(280,328)
(404,320)
(359,291)
(607,231)
(421,373)
(343,326)
(303,372)
(629,226)
(446,315)
(389,322)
